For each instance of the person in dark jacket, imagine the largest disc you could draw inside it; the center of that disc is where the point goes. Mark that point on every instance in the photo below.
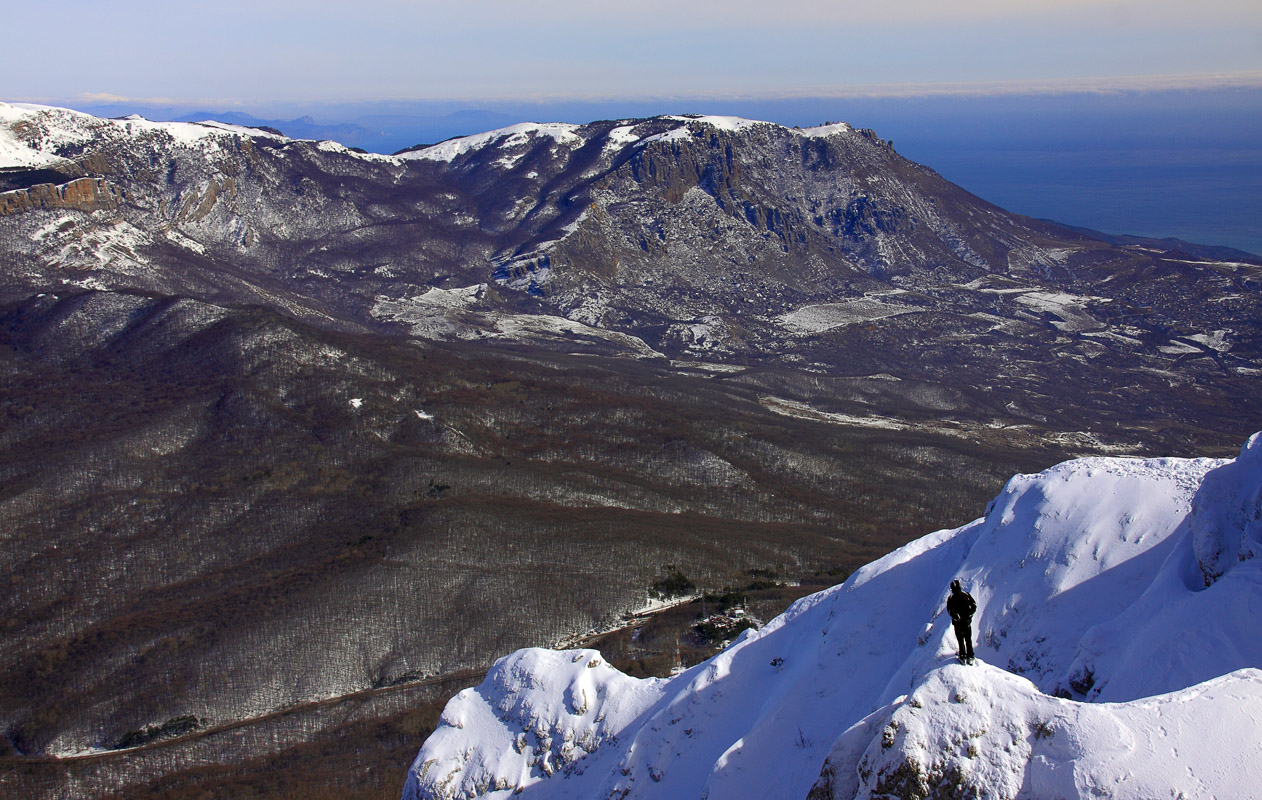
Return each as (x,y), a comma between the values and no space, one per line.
(961,606)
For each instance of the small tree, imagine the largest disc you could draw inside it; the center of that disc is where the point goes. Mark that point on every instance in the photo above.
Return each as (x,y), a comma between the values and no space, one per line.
(675,584)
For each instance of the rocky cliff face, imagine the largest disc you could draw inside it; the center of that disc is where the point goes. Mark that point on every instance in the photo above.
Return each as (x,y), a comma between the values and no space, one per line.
(256,388)
(80,194)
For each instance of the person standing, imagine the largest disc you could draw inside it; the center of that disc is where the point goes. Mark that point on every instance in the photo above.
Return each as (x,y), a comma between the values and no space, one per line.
(961,606)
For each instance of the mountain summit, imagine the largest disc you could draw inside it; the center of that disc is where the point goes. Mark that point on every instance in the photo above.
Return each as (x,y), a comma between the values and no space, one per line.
(1116,656)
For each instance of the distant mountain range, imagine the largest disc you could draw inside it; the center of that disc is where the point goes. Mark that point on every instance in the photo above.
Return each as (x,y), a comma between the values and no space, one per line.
(284,421)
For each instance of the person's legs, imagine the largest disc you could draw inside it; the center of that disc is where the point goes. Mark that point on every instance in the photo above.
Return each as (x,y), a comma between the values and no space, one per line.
(961,638)
(966,639)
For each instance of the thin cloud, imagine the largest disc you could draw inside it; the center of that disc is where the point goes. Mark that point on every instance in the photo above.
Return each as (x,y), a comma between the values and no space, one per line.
(1095,85)
(727,14)
(1089,85)
(109,98)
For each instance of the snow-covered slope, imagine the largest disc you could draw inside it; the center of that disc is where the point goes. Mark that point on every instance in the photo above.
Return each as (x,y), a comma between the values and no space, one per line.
(1118,656)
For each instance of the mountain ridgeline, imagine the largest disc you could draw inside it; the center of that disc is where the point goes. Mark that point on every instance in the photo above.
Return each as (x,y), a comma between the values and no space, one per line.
(281,421)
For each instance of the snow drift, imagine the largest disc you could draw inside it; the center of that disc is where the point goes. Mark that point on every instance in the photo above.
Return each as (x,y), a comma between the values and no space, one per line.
(1117,647)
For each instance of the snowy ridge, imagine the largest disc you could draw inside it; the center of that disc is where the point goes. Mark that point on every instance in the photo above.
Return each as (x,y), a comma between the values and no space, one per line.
(36,136)
(33,136)
(1117,656)
(562,133)
(740,124)
(621,136)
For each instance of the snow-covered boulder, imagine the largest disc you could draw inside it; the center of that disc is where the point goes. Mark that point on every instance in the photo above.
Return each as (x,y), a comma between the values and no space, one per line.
(969,732)
(1118,656)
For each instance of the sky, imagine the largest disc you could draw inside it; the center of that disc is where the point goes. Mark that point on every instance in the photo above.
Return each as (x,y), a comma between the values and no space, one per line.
(249,54)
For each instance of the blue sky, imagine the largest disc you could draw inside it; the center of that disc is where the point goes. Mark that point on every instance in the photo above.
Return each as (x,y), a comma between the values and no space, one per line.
(233,53)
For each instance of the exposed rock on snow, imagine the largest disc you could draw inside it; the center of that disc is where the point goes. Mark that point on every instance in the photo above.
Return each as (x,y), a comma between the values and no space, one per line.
(1132,583)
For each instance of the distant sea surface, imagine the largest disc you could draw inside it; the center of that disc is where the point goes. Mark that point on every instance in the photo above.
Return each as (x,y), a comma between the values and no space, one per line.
(1209,195)
(1172,165)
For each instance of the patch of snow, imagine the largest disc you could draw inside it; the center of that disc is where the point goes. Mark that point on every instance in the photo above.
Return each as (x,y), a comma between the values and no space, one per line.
(1214,340)
(621,136)
(190,132)
(721,122)
(578,221)
(826,316)
(1177,348)
(53,228)
(453,298)
(114,246)
(1232,264)
(356,402)
(90,282)
(823,131)
(519,326)
(997,323)
(1039,259)
(17,139)
(708,333)
(673,135)
(1130,341)
(1070,309)
(183,241)
(328,146)
(591,308)
(433,314)
(707,366)
(793,408)
(451,314)
(1015,290)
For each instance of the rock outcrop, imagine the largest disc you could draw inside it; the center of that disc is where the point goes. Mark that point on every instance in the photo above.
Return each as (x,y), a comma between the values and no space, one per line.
(80,194)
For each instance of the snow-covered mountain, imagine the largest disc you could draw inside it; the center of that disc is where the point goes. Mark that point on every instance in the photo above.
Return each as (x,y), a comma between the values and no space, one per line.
(680,237)
(1118,656)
